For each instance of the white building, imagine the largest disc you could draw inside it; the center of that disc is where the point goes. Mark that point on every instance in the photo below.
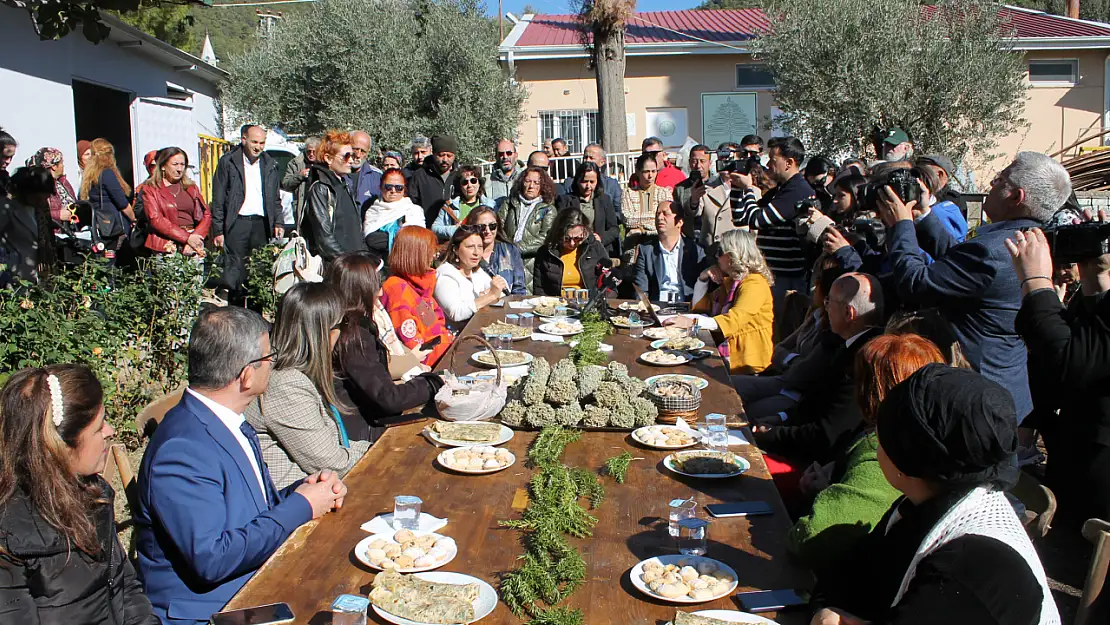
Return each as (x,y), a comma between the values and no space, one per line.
(140,93)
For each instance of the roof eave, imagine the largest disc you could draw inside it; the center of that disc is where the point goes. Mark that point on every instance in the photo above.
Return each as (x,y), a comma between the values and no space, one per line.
(160,50)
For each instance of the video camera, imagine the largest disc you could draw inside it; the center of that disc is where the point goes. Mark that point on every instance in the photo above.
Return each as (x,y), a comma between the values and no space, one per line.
(743,165)
(902,181)
(1074,243)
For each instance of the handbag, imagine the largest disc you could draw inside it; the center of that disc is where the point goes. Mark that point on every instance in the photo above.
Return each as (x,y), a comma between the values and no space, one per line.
(109,223)
(295,264)
(459,401)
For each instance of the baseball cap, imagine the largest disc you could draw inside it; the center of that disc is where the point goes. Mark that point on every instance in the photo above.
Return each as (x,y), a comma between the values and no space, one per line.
(939,160)
(895,136)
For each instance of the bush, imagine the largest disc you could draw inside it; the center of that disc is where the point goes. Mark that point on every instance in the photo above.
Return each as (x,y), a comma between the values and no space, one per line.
(132,328)
(260,281)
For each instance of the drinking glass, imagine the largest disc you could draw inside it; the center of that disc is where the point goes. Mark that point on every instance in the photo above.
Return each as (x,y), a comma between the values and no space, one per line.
(582,297)
(406,512)
(681,509)
(562,312)
(512,319)
(506,341)
(716,432)
(527,320)
(693,538)
(635,328)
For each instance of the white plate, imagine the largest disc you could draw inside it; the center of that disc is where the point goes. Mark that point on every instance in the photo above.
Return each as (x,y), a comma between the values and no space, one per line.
(364,545)
(573,314)
(701,383)
(550,328)
(743,467)
(483,605)
(443,464)
(665,332)
(490,337)
(636,436)
(505,436)
(675,559)
(698,344)
(733,616)
(643,322)
(532,302)
(527,359)
(686,358)
(636,306)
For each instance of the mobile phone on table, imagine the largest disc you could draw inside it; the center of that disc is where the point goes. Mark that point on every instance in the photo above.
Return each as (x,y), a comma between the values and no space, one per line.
(271,614)
(739,508)
(770,600)
(432,343)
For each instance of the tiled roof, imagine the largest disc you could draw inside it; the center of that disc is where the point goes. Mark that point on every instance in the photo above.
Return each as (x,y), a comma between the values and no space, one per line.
(741,24)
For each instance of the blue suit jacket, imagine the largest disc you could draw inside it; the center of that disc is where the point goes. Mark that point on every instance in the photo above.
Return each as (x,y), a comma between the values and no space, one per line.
(690,265)
(974,285)
(203,526)
(369,186)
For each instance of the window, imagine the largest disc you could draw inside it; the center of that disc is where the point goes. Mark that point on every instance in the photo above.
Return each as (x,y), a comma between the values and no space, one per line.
(754,76)
(1054,72)
(577,127)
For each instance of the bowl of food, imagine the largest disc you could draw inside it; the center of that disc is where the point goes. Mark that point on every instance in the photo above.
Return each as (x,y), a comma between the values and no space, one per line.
(706,464)
(675,398)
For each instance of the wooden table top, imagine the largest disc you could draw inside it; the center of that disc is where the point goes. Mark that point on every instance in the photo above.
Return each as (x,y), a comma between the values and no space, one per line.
(317,562)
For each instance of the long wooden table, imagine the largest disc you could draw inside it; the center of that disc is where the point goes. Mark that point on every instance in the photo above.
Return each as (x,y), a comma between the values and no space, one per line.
(317,562)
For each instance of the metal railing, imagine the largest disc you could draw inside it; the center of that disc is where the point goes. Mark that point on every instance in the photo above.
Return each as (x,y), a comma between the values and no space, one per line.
(210,150)
(621,165)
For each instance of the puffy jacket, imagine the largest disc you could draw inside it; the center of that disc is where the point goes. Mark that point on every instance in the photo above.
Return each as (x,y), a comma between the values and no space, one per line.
(160,208)
(332,224)
(535,231)
(45,581)
(549,268)
(416,314)
(604,220)
(446,223)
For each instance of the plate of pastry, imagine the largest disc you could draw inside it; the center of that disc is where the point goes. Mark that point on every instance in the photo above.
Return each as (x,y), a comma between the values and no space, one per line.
(406,551)
(436,597)
(684,579)
(468,433)
(476,460)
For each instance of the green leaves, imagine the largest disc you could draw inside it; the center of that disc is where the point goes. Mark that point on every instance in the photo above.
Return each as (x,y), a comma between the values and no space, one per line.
(588,350)
(617,466)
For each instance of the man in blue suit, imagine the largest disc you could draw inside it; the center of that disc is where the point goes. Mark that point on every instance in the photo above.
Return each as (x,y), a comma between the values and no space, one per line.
(667,265)
(208,515)
(973,283)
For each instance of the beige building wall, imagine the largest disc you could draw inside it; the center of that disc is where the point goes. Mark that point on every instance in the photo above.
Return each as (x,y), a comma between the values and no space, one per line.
(1056,116)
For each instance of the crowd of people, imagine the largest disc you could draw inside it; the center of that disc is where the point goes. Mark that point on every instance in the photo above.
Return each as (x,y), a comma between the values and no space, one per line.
(894,363)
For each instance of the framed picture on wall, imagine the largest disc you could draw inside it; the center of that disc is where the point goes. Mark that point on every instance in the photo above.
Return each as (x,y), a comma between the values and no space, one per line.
(727,117)
(668,124)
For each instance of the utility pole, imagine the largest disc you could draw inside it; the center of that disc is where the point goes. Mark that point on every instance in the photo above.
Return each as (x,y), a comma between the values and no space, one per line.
(266,21)
(500,21)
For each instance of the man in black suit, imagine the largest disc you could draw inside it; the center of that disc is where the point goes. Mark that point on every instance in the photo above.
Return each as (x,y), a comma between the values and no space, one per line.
(246,208)
(667,265)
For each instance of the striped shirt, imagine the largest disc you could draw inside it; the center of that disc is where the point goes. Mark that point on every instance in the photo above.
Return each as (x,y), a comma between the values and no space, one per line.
(773,219)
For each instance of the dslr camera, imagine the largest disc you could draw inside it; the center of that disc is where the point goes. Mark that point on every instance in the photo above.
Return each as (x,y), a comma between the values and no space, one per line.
(742,165)
(1074,243)
(811,230)
(902,181)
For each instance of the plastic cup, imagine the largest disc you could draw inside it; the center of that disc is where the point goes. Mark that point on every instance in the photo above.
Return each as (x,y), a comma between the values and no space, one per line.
(406,512)
(693,536)
(635,327)
(681,509)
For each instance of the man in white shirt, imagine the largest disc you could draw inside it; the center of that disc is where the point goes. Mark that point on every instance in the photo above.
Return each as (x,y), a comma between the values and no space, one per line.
(668,265)
(246,206)
(208,514)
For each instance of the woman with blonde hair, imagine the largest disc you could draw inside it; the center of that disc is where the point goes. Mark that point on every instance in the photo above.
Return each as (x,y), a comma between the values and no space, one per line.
(103,186)
(299,417)
(741,309)
(178,218)
(60,559)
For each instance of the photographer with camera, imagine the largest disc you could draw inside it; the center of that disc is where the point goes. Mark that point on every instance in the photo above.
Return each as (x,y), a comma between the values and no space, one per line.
(713,213)
(773,215)
(1069,353)
(973,283)
(819,173)
(688,193)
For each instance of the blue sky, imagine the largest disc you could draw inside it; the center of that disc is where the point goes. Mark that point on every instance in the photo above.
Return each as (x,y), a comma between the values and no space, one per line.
(564,6)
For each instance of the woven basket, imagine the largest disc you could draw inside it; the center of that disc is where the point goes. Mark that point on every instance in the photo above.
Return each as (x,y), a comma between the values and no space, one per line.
(673,408)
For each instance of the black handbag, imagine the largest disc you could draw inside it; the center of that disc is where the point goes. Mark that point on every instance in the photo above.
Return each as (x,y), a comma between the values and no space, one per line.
(109,221)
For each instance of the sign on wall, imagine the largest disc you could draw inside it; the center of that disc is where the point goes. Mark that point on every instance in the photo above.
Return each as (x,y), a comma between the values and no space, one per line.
(727,117)
(667,124)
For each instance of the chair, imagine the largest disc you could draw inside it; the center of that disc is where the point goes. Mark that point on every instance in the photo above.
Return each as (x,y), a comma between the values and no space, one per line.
(152,415)
(1040,505)
(1098,532)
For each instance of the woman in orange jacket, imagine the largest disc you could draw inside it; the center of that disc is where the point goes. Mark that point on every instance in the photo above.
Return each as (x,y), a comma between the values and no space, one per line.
(741,309)
(409,294)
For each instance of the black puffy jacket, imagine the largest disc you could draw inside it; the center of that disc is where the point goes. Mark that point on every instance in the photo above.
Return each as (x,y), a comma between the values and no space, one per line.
(547,278)
(44,581)
(332,221)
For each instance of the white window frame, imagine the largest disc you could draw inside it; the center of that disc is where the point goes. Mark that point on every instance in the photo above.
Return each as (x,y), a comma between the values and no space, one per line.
(1052,83)
(736,78)
(583,121)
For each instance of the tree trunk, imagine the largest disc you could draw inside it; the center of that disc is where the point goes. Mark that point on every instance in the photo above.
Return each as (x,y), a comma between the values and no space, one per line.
(609,71)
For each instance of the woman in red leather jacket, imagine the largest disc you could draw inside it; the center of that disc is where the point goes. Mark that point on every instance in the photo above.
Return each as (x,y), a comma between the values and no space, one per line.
(178,217)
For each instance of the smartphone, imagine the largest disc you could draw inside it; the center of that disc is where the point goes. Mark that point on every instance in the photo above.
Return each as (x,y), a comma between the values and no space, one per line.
(770,600)
(271,614)
(739,508)
(432,343)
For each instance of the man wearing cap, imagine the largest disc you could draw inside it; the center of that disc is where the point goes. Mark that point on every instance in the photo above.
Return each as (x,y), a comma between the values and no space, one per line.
(433,184)
(896,145)
(943,167)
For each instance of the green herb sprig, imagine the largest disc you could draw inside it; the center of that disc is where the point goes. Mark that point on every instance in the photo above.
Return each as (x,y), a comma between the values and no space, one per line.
(617,466)
(588,350)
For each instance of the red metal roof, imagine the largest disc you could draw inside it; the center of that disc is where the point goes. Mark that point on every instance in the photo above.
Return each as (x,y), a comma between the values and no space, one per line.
(741,24)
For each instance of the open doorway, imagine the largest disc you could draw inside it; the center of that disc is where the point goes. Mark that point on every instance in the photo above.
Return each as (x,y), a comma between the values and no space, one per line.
(103,112)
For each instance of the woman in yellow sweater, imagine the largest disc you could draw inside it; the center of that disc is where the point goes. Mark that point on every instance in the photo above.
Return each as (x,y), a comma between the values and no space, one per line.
(741,309)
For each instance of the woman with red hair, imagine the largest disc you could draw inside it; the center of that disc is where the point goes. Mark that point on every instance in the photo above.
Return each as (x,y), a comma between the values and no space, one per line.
(409,294)
(332,224)
(857,494)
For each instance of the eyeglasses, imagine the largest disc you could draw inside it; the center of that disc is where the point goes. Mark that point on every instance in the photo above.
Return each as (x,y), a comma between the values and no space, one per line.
(346,156)
(485,227)
(470,181)
(399,188)
(509,153)
(267,358)
(829,299)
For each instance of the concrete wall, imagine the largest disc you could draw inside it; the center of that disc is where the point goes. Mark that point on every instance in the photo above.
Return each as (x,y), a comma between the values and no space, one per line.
(36,106)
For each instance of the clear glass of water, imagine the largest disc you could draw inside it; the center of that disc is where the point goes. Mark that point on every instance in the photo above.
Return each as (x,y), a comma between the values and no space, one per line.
(681,509)
(582,297)
(716,438)
(635,326)
(506,341)
(527,320)
(406,512)
(693,537)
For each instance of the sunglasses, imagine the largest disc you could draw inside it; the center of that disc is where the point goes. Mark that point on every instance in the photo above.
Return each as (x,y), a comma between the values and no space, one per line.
(470,181)
(393,187)
(485,227)
(509,153)
(346,156)
(570,239)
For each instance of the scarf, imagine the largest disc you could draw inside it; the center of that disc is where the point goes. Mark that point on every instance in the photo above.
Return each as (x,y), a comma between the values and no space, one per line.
(381,214)
(386,333)
(425,285)
(527,207)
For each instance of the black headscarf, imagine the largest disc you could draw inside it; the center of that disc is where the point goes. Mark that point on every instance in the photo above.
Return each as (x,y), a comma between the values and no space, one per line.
(952,427)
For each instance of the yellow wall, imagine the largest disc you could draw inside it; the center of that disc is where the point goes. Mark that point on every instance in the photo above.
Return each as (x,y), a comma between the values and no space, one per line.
(1055,116)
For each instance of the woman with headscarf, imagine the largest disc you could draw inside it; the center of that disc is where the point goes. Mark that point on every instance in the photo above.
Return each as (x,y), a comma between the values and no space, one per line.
(951,549)
(51,160)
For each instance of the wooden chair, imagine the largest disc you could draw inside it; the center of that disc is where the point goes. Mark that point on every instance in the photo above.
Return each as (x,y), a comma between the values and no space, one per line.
(1093,606)
(152,415)
(1040,505)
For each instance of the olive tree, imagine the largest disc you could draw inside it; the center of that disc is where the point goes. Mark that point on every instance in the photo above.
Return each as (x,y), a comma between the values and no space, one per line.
(947,73)
(396,68)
